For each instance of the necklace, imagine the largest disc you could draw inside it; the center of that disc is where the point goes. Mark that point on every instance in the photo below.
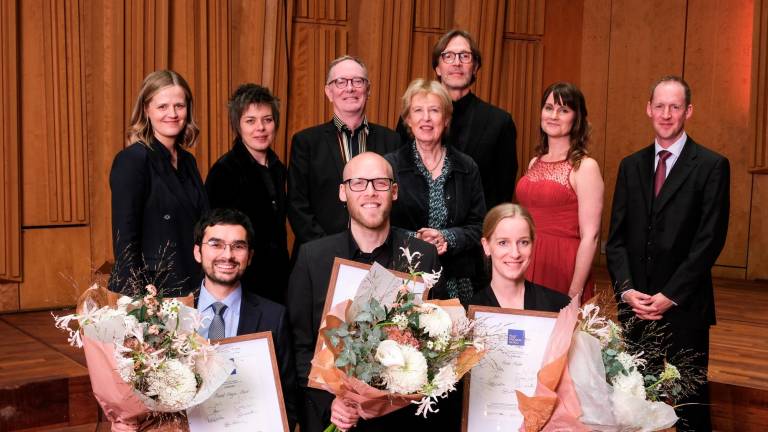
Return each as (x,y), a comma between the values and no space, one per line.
(440,159)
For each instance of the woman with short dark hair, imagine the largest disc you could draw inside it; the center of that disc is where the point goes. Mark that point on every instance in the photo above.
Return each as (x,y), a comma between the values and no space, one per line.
(251,178)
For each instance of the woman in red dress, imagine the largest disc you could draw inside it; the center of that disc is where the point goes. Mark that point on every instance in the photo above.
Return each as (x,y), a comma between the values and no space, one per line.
(563,190)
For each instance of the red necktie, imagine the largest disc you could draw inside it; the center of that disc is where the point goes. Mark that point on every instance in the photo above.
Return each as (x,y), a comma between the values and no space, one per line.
(661,172)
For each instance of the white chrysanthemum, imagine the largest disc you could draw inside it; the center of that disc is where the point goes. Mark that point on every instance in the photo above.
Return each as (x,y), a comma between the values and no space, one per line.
(434,320)
(411,376)
(444,381)
(627,360)
(174,385)
(401,321)
(631,384)
(125,367)
(388,353)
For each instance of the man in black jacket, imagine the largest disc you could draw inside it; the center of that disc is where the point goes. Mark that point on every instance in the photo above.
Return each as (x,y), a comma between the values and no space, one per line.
(668,225)
(484,132)
(222,246)
(318,154)
(368,190)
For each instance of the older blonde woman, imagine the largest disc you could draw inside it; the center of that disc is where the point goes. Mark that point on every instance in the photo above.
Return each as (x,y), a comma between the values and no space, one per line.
(441,195)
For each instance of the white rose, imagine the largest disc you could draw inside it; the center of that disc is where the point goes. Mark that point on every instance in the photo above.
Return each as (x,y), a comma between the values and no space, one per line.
(434,320)
(388,354)
(411,376)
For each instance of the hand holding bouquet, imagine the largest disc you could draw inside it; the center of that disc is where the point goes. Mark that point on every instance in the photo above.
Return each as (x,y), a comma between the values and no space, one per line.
(144,354)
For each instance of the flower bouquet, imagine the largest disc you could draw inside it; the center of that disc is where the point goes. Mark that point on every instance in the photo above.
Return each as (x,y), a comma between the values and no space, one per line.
(607,369)
(144,354)
(387,349)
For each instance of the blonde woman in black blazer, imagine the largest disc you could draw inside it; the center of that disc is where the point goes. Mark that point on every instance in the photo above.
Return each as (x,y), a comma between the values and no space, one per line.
(157,192)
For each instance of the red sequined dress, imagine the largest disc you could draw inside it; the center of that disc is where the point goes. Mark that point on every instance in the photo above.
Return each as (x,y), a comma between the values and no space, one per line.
(547,194)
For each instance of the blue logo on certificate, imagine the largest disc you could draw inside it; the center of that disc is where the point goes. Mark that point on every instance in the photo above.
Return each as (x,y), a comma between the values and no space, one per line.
(516,337)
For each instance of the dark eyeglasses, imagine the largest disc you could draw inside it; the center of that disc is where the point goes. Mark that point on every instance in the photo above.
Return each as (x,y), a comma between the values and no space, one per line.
(361,184)
(450,57)
(237,246)
(341,83)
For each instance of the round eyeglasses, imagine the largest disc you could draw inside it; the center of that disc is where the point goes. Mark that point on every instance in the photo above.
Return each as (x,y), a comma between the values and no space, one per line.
(450,57)
(342,83)
(361,184)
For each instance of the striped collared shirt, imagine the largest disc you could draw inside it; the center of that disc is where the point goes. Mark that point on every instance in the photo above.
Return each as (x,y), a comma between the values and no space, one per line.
(351,143)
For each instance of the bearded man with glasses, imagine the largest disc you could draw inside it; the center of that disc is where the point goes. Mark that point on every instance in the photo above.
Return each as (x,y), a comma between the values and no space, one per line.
(318,154)
(484,132)
(368,189)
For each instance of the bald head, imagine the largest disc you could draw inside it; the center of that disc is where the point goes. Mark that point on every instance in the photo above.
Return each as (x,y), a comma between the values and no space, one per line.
(368,165)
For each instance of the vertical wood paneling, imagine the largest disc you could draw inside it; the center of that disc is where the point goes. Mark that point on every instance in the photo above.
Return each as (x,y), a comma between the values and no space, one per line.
(759,163)
(54,157)
(10,176)
(562,41)
(718,68)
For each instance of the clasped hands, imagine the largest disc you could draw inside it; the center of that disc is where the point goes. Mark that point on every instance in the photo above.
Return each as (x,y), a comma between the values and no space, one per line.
(435,237)
(647,307)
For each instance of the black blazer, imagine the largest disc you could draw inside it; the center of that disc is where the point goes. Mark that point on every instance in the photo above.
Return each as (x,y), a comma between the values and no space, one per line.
(535,297)
(488,135)
(466,207)
(154,210)
(669,244)
(237,181)
(314,175)
(258,314)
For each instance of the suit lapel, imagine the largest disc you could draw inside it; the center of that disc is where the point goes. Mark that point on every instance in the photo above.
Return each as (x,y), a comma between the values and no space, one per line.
(645,171)
(680,171)
(250,314)
(332,138)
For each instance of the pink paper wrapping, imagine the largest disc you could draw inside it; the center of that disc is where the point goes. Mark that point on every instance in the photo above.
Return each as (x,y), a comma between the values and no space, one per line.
(371,402)
(117,398)
(555,405)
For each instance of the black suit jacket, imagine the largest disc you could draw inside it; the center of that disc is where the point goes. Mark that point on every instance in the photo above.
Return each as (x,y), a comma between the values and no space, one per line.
(314,175)
(237,181)
(258,314)
(669,244)
(154,211)
(488,135)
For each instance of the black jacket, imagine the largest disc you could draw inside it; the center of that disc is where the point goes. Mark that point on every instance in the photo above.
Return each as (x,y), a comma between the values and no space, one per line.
(466,208)
(669,244)
(237,181)
(154,211)
(314,176)
(487,134)
(535,297)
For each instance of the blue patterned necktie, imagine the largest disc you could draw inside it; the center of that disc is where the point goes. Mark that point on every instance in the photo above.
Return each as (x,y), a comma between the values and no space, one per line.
(216,330)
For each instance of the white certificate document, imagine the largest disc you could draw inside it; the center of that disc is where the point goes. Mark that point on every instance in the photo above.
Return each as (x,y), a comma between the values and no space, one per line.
(251,398)
(516,350)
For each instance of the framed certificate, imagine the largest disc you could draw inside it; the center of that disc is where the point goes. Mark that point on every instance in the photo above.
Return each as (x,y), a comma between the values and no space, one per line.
(518,339)
(251,399)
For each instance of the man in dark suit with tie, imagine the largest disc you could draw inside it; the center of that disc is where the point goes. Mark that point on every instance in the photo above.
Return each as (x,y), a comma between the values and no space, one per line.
(668,225)
(318,154)
(368,190)
(223,239)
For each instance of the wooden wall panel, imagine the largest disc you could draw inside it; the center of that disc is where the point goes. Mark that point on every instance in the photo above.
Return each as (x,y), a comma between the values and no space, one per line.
(759,125)
(57,267)
(758,230)
(718,68)
(10,174)
(384,42)
(522,64)
(9,297)
(53,115)
(562,41)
